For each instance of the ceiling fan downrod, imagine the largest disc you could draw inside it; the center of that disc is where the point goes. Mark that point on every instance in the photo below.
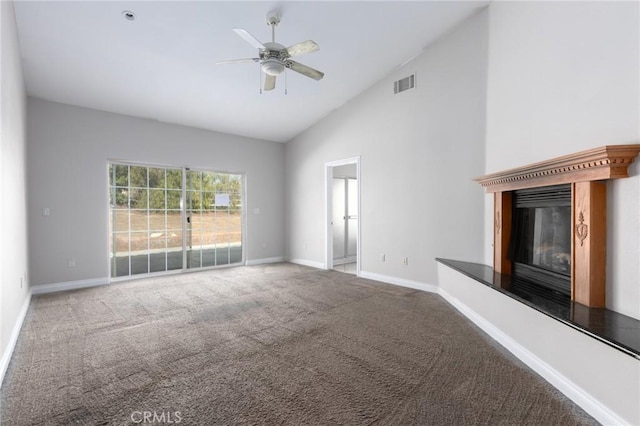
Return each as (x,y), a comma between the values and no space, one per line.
(273,19)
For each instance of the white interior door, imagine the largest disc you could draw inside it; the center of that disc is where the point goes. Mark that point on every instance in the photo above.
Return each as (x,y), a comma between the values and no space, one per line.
(352,218)
(345,219)
(339,218)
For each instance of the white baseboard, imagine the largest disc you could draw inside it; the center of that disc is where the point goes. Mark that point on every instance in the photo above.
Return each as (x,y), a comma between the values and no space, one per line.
(304,262)
(429,288)
(254,262)
(70,285)
(572,391)
(15,333)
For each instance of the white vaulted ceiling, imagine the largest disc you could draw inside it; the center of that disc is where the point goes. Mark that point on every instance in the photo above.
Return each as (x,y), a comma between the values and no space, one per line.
(163,66)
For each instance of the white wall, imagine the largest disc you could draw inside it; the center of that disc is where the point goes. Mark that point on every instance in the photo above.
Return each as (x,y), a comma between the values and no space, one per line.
(564,77)
(13,224)
(419,151)
(68,151)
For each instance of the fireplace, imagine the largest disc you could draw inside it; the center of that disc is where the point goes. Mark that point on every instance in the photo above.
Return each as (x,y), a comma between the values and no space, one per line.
(540,246)
(531,241)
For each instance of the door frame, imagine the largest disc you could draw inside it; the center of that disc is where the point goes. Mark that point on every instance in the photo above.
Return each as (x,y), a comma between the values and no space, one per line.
(328,261)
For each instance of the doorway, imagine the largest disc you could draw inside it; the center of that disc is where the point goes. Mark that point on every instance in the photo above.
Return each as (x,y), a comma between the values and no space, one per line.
(343,215)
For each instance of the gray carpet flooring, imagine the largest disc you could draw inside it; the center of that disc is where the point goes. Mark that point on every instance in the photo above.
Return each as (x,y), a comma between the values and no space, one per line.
(271,344)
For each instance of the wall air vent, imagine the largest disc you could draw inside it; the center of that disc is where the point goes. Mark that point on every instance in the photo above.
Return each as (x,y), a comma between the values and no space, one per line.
(404,84)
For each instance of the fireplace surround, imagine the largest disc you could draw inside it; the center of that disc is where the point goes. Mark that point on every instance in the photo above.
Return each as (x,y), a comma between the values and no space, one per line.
(585,173)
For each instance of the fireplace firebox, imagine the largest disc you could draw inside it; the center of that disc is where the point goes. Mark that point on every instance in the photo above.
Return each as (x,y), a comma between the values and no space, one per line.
(540,246)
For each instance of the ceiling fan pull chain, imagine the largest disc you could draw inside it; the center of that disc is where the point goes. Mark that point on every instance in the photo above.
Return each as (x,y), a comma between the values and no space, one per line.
(260,80)
(285,81)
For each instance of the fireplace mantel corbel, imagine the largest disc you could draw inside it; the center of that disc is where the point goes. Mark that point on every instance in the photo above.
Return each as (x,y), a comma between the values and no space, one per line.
(587,172)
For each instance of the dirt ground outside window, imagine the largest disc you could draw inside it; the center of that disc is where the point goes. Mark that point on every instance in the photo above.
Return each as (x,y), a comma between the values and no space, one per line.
(157,230)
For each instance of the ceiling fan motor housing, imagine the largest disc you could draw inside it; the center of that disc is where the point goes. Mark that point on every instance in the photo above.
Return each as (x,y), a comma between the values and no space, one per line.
(273,58)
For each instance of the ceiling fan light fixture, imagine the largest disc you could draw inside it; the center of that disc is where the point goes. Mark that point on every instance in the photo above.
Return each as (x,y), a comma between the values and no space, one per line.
(272,67)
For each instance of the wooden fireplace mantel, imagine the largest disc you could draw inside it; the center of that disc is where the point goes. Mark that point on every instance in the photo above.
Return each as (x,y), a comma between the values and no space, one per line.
(586,171)
(606,162)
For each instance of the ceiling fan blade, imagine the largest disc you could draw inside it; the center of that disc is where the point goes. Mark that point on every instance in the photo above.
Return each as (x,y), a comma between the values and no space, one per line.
(302,48)
(238,61)
(270,82)
(305,70)
(249,38)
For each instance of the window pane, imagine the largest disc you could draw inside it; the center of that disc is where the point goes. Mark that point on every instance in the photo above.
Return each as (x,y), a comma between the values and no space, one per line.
(121,197)
(194,237)
(235,253)
(139,220)
(121,242)
(174,179)
(119,220)
(193,200)
(208,179)
(174,240)
(174,220)
(120,266)
(157,220)
(222,255)
(174,260)
(138,198)
(207,200)
(157,242)
(138,176)
(173,200)
(139,241)
(122,175)
(156,178)
(157,199)
(193,258)
(194,179)
(208,237)
(209,257)
(139,264)
(157,262)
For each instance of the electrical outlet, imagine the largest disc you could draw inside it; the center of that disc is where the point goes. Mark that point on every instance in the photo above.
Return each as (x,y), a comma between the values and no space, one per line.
(72,263)
(304,246)
(405,261)
(264,245)
(382,257)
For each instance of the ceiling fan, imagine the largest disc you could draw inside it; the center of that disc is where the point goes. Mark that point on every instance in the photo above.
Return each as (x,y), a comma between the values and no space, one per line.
(274,57)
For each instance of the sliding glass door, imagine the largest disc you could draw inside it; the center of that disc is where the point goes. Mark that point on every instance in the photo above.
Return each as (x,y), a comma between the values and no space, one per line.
(214,219)
(153,230)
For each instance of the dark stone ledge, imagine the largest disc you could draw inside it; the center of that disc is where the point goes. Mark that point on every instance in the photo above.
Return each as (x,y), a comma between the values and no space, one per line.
(619,331)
